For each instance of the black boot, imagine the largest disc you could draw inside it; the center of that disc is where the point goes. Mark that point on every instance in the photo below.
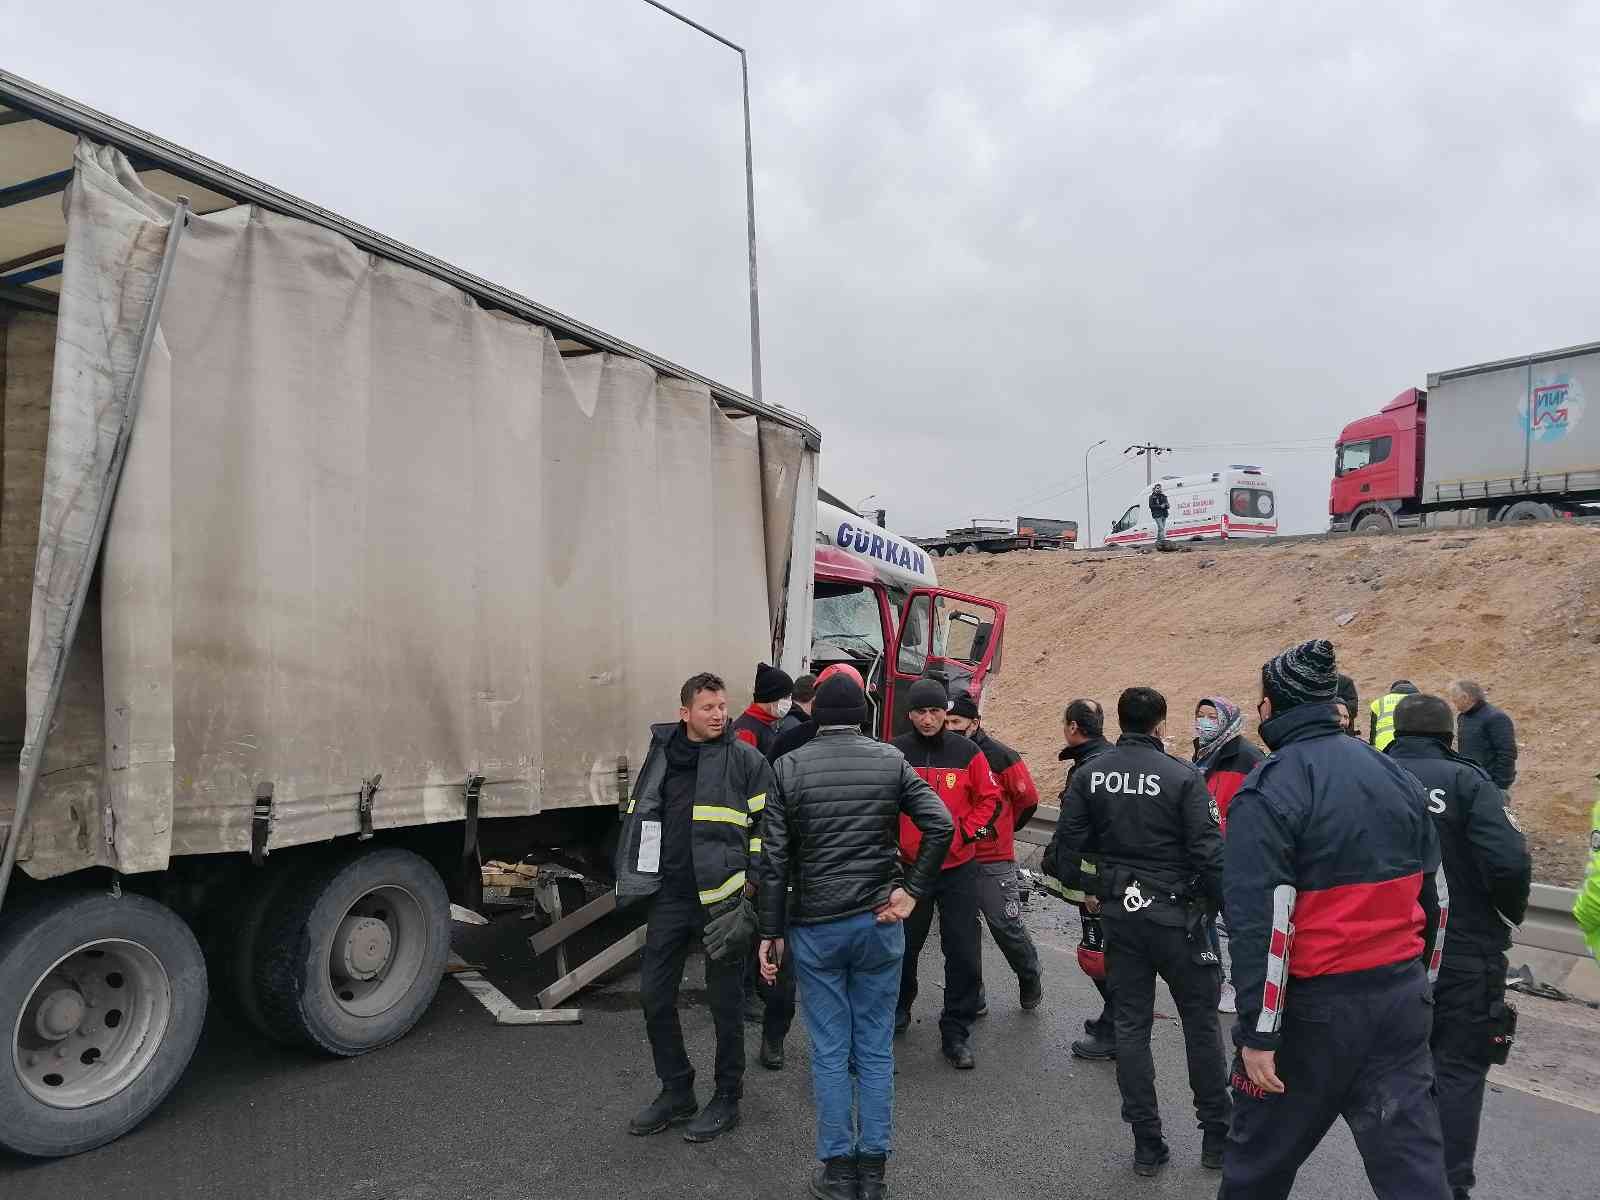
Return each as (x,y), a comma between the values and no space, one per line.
(715,1119)
(835,1180)
(1032,994)
(870,1168)
(1211,1147)
(960,1055)
(672,1107)
(1092,1049)
(983,1004)
(771,1054)
(1149,1156)
(902,1020)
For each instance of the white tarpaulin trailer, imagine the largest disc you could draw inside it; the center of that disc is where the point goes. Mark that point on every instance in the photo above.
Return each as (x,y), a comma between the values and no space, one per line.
(385,548)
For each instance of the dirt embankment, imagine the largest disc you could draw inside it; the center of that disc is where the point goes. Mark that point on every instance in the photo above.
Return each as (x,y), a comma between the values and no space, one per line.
(1517,609)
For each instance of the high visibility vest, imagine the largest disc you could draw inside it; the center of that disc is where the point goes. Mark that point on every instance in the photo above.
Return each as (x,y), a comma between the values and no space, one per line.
(1383,709)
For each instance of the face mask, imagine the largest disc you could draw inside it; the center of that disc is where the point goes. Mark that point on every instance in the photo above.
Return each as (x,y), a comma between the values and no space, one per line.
(1206,727)
(782,707)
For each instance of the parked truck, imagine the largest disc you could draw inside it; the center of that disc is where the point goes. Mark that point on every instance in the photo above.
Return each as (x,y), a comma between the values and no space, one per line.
(327,572)
(1499,441)
(999,537)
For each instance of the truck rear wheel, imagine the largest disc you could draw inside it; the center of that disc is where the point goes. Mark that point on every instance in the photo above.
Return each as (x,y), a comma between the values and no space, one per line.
(355,957)
(236,946)
(104,998)
(1528,510)
(1374,522)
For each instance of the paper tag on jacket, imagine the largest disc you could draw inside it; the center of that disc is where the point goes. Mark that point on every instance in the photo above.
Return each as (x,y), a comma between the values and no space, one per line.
(649,847)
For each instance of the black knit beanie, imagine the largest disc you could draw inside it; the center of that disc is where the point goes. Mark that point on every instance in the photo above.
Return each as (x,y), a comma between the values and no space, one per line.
(1303,675)
(964,706)
(771,684)
(927,693)
(1427,716)
(839,702)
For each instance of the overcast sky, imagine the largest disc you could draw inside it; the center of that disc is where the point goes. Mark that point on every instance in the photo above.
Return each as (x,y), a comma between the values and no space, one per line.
(990,235)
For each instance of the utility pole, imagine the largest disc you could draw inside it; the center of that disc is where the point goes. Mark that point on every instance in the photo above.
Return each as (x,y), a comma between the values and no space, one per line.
(1149,451)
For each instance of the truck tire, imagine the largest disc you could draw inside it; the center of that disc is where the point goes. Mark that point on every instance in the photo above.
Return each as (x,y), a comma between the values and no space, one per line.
(969,550)
(353,959)
(1527,510)
(103,998)
(236,947)
(1376,521)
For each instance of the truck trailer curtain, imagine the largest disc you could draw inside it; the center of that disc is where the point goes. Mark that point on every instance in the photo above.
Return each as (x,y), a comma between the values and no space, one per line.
(372,527)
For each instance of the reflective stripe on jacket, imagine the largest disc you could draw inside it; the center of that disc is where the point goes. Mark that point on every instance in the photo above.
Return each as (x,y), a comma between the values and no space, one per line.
(730,797)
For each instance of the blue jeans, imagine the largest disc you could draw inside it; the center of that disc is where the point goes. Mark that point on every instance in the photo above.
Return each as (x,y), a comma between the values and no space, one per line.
(849,975)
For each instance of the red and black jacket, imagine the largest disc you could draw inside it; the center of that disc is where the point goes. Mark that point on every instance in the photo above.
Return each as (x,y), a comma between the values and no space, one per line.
(1332,868)
(1226,771)
(756,727)
(957,770)
(1019,798)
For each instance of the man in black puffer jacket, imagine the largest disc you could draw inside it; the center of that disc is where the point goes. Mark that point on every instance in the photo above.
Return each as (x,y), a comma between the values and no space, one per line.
(832,832)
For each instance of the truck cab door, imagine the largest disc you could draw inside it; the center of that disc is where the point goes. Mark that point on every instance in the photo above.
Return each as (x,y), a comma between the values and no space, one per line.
(945,635)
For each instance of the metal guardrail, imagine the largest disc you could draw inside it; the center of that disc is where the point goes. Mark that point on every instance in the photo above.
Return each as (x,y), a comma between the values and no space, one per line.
(1549,924)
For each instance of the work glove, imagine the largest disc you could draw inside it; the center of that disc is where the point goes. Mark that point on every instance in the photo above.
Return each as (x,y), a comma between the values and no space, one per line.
(730,928)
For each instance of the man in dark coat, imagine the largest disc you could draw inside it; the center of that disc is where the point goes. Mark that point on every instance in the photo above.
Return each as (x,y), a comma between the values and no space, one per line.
(1484,733)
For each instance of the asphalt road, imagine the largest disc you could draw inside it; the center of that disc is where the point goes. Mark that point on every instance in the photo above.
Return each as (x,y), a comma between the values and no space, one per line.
(465,1109)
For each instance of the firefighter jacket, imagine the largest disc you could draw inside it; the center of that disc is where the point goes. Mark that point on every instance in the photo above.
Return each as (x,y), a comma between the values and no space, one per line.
(1146,820)
(1587,908)
(1332,867)
(1019,798)
(1485,856)
(1072,875)
(959,773)
(732,784)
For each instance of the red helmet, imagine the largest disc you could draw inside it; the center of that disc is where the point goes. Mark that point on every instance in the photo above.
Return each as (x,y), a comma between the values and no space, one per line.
(841,669)
(1093,962)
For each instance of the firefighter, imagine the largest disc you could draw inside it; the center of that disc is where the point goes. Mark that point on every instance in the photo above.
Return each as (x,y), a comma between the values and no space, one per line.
(999,896)
(1489,873)
(770,702)
(1333,908)
(1380,729)
(1148,821)
(690,844)
(957,770)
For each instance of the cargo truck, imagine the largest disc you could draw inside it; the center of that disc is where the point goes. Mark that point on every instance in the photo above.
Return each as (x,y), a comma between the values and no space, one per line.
(328,571)
(1499,441)
(999,537)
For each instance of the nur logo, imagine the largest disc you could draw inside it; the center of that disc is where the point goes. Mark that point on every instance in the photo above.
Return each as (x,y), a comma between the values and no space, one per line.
(1553,406)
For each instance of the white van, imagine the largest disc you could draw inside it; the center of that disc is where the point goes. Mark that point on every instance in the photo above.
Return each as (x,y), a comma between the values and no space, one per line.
(1237,502)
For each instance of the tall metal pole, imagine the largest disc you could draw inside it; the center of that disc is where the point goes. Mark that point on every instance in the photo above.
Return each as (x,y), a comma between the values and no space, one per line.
(749,190)
(1088,507)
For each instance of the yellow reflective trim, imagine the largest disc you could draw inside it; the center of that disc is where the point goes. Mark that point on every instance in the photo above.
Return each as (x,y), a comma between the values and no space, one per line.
(735,882)
(757,803)
(714,812)
(755,845)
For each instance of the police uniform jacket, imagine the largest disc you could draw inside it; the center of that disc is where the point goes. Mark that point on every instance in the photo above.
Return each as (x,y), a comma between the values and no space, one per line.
(1486,863)
(1146,818)
(1332,866)
(732,784)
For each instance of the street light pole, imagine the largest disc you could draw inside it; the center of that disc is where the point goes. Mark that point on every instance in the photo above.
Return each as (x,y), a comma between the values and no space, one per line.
(749,191)
(1088,509)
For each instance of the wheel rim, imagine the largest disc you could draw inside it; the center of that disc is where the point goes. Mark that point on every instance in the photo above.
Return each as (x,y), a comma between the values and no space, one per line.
(377,951)
(92,1023)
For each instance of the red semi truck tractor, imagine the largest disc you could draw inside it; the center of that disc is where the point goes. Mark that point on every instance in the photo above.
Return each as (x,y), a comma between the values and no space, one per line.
(1500,441)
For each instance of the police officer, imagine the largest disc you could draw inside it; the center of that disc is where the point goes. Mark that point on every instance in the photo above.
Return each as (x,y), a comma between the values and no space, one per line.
(1489,873)
(1146,818)
(1380,729)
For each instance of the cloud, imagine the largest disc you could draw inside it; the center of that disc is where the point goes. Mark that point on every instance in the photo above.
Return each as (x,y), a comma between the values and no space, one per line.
(990,235)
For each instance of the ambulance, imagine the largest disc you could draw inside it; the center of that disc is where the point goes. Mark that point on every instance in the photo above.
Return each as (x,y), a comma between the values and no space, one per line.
(1237,502)
(877,605)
